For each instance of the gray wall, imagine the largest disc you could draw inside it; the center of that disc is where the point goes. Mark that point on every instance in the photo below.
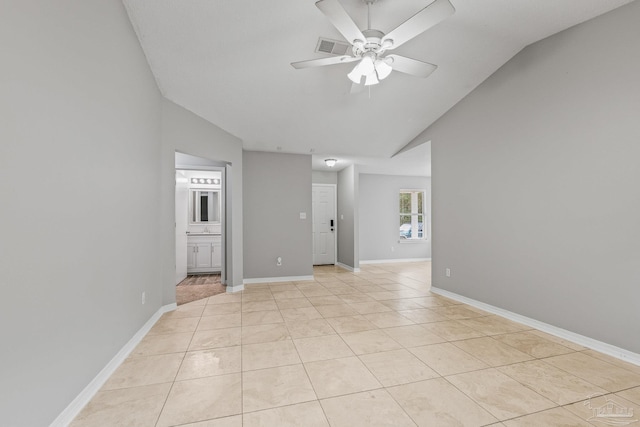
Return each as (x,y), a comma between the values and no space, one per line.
(277,187)
(536,183)
(380,217)
(348,226)
(79,156)
(187,133)
(322,177)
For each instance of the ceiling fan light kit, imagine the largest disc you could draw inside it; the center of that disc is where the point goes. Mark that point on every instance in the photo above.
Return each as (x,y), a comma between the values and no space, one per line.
(370,45)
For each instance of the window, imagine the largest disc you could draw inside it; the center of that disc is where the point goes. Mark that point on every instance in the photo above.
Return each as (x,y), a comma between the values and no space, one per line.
(412,215)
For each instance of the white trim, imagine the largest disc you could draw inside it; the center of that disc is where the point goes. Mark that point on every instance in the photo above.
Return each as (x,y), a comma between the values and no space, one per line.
(391,261)
(348,267)
(74,408)
(602,347)
(416,241)
(237,288)
(277,279)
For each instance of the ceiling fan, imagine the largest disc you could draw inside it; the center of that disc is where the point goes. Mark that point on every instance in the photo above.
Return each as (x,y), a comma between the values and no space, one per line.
(369,46)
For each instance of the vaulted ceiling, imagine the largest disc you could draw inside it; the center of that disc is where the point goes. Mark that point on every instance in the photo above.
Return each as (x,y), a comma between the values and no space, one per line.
(229,62)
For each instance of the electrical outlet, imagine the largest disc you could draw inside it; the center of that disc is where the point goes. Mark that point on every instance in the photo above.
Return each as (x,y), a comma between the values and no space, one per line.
(279,261)
(144,297)
(447,272)
(393,249)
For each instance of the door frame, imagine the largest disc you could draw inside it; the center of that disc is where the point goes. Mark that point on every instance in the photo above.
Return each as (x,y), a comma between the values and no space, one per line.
(335,216)
(223,212)
(184,223)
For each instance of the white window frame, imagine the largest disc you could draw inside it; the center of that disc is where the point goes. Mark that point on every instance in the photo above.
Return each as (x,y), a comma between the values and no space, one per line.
(415,214)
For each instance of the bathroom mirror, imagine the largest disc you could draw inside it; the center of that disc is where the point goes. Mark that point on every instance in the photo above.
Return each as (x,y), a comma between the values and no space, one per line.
(204,206)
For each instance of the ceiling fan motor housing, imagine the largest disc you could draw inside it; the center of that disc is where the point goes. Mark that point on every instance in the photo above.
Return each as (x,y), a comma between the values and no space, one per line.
(373,43)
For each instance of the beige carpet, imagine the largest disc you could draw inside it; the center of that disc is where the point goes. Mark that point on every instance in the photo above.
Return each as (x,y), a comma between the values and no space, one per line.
(197,287)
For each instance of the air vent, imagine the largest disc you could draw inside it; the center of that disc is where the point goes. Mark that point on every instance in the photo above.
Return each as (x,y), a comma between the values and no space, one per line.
(332,47)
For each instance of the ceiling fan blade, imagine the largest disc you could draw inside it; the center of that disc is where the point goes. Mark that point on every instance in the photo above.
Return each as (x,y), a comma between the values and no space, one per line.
(324,61)
(341,20)
(411,66)
(420,22)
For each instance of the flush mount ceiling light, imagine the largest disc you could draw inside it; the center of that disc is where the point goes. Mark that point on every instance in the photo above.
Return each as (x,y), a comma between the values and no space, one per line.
(369,47)
(330,162)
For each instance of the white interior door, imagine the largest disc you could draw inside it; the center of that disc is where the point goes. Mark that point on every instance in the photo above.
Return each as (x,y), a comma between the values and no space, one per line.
(182,217)
(324,223)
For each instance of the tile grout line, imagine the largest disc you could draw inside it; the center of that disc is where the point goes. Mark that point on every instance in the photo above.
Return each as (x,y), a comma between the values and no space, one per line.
(361,289)
(384,388)
(309,379)
(178,371)
(241,362)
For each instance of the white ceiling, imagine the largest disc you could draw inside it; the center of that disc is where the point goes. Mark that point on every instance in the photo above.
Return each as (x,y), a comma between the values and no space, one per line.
(229,62)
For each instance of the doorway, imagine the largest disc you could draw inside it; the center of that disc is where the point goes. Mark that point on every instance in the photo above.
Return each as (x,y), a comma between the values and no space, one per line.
(323,201)
(200,228)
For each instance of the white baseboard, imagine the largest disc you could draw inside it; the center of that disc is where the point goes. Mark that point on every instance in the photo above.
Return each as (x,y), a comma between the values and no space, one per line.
(602,347)
(237,288)
(66,417)
(391,261)
(348,267)
(278,279)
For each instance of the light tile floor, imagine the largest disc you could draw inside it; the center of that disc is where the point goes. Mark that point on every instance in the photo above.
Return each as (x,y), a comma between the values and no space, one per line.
(374,348)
